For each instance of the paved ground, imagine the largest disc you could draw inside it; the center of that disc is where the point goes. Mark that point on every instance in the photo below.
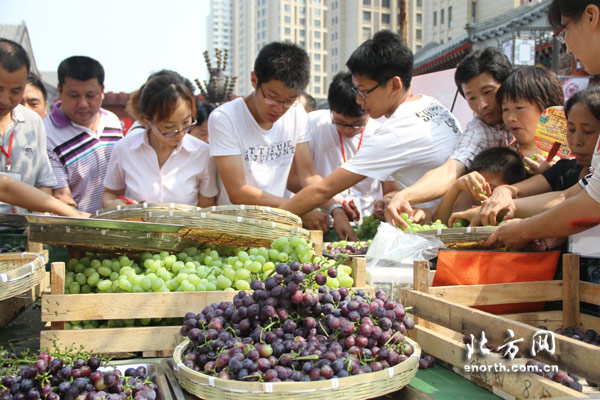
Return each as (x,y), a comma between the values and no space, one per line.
(24,331)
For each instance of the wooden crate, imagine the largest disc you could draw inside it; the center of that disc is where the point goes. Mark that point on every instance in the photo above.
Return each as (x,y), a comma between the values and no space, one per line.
(12,308)
(151,341)
(443,315)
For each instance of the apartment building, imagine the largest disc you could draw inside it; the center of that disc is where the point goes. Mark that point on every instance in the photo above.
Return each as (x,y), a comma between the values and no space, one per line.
(219,29)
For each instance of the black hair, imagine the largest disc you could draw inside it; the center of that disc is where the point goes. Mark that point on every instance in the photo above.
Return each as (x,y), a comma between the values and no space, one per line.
(504,161)
(203,110)
(535,84)
(383,57)
(285,62)
(590,97)
(133,104)
(341,97)
(161,94)
(13,56)
(311,103)
(81,68)
(38,84)
(568,8)
(491,60)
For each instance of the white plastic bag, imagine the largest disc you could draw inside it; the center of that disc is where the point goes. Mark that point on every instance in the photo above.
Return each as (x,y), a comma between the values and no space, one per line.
(393,247)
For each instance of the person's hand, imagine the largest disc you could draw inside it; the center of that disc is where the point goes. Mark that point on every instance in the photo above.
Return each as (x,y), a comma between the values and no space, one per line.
(351,210)
(397,206)
(509,235)
(316,220)
(83,214)
(342,227)
(537,164)
(500,202)
(379,208)
(475,184)
(472,215)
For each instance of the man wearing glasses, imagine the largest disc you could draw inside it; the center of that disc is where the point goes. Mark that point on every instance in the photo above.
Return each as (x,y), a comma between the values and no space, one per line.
(255,139)
(418,135)
(337,134)
(80,134)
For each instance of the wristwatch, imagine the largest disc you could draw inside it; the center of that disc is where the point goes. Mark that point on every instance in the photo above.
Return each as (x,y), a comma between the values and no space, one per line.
(333,207)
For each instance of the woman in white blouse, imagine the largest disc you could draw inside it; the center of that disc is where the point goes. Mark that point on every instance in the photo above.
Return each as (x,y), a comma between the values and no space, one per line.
(162,163)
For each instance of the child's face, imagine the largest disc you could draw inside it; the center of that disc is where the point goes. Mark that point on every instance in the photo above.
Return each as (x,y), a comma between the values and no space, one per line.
(521,117)
(494,179)
(582,133)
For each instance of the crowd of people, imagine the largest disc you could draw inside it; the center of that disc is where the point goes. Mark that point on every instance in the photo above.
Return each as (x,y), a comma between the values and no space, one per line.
(377,149)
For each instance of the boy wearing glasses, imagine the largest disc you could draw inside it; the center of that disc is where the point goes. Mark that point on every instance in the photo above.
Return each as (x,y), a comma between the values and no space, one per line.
(418,135)
(337,134)
(255,139)
(81,135)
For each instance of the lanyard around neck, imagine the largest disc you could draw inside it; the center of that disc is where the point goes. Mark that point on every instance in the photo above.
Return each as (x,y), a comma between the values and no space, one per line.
(362,132)
(8,153)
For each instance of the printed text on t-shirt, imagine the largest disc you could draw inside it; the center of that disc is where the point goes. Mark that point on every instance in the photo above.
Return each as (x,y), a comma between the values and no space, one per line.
(270,153)
(436,114)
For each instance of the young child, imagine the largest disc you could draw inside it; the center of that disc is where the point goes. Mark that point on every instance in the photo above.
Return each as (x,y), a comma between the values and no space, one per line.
(495,166)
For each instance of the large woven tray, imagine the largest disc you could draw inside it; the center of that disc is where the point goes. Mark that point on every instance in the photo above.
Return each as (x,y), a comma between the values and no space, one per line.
(459,238)
(136,212)
(362,386)
(226,229)
(99,234)
(19,272)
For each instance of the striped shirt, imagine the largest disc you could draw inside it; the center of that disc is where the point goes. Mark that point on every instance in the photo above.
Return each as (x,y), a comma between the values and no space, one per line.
(79,156)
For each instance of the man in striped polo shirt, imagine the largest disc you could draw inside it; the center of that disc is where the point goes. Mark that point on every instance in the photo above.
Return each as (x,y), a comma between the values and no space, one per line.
(81,135)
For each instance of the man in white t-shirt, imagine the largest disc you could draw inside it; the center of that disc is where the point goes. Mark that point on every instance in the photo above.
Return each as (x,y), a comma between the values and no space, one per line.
(418,135)
(478,77)
(337,134)
(255,139)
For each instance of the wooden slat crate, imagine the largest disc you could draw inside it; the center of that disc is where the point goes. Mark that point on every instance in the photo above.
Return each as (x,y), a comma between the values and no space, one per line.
(443,315)
(57,308)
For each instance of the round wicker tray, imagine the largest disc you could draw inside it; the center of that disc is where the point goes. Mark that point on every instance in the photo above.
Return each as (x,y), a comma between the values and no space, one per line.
(257,212)
(363,386)
(19,272)
(462,238)
(136,212)
(227,230)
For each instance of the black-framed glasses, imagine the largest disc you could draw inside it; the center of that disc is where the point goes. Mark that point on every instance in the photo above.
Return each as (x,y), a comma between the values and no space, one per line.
(170,134)
(365,93)
(559,34)
(273,102)
(352,126)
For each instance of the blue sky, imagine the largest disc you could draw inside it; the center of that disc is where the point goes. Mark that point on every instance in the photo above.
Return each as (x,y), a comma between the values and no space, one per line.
(130,38)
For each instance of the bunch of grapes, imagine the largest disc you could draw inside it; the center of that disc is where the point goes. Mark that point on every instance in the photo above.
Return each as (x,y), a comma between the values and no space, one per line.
(334,249)
(49,378)
(285,332)
(562,377)
(8,248)
(415,227)
(209,269)
(426,361)
(590,336)
(368,228)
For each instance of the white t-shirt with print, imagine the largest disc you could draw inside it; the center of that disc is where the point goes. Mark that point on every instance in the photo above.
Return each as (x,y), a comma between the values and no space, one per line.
(593,186)
(326,150)
(418,137)
(189,170)
(267,155)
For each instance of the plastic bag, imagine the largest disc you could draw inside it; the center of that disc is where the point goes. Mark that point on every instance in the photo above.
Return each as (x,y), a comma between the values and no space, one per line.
(393,247)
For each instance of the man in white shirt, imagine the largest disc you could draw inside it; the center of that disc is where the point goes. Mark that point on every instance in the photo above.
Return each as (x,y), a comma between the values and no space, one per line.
(337,134)
(418,135)
(477,77)
(255,139)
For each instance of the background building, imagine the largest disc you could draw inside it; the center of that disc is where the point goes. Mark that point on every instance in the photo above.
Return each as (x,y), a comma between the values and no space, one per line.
(219,29)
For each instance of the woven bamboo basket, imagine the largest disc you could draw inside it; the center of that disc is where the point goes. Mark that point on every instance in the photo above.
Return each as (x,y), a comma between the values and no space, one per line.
(136,212)
(19,272)
(257,212)
(462,238)
(363,386)
(227,230)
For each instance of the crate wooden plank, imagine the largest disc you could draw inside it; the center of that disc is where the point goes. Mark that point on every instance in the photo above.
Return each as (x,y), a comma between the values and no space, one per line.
(576,357)
(550,319)
(589,322)
(589,293)
(57,285)
(114,340)
(524,385)
(359,271)
(479,295)
(316,237)
(570,292)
